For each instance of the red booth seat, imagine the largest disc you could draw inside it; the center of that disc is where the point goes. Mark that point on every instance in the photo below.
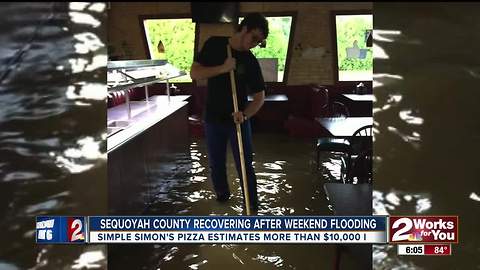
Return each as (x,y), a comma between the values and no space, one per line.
(306,103)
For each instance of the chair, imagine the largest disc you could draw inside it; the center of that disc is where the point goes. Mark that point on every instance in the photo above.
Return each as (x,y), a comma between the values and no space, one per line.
(361,166)
(307,104)
(328,144)
(331,145)
(338,109)
(347,147)
(329,108)
(360,169)
(364,131)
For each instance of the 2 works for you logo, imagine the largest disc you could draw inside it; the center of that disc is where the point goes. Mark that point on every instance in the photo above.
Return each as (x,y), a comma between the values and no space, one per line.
(50,230)
(76,229)
(423,229)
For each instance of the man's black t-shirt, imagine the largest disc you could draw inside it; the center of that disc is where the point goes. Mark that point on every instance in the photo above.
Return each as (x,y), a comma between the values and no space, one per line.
(248,77)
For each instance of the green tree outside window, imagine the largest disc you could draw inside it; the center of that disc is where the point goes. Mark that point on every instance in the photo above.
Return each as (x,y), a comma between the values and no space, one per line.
(178,38)
(277,42)
(351,28)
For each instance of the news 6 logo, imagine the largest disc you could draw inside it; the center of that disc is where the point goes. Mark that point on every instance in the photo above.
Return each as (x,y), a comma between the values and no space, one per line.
(424,229)
(60,229)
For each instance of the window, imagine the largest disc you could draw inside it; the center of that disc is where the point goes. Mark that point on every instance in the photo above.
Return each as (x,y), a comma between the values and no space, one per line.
(273,58)
(354,59)
(173,40)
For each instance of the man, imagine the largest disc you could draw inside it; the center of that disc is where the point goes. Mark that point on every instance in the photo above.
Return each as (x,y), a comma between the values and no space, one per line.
(213,64)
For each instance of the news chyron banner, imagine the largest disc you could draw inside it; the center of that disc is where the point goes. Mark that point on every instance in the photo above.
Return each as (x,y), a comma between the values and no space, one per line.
(414,235)
(423,235)
(237,229)
(222,229)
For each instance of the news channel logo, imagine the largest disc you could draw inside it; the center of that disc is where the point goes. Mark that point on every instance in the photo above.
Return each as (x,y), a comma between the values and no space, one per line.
(423,229)
(60,229)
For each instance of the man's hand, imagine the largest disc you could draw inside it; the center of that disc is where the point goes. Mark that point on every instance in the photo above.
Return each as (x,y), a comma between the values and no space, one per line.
(238,117)
(229,64)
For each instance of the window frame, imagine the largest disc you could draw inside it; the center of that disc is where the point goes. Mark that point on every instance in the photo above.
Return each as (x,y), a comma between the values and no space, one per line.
(333,16)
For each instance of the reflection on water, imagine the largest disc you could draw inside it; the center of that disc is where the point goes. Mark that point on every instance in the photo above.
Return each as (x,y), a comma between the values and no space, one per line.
(426,77)
(288,184)
(188,184)
(90,260)
(400,202)
(52,155)
(474,196)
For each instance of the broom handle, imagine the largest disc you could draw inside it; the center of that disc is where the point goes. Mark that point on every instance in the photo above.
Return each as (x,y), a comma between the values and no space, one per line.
(239,136)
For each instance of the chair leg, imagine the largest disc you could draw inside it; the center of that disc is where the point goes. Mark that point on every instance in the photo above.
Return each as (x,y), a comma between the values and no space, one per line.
(343,168)
(318,159)
(348,161)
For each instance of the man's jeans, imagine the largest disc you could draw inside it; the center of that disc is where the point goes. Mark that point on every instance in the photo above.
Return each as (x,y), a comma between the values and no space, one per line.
(218,136)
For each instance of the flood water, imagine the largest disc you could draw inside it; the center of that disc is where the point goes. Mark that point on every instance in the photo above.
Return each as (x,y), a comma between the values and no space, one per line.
(288,184)
(427,77)
(53,154)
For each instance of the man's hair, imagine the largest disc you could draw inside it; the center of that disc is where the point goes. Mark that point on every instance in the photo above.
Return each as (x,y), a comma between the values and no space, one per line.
(255,20)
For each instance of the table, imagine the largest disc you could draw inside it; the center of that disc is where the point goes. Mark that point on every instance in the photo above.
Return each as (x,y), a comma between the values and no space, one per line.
(358,105)
(355,97)
(352,200)
(269,98)
(344,126)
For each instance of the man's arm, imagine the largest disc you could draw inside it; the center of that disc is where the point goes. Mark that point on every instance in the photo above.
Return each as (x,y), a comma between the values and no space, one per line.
(251,109)
(200,72)
(254,106)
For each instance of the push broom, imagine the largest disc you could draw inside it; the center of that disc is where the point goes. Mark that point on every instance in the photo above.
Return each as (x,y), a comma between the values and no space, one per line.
(239,136)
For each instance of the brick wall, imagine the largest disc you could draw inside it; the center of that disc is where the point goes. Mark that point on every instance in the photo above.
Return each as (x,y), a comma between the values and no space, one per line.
(311,64)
